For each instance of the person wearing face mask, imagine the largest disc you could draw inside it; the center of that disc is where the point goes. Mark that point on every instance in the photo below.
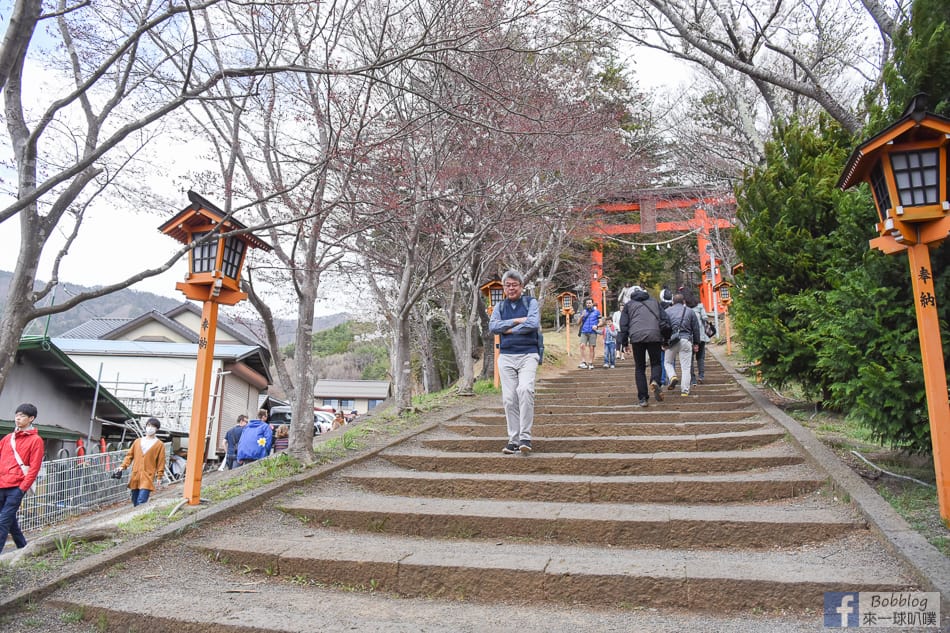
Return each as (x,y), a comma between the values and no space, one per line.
(147,458)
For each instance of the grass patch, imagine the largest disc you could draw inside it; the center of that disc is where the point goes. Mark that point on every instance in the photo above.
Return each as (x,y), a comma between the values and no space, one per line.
(260,473)
(483,387)
(73,617)
(65,545)
(919,507)
(146,522)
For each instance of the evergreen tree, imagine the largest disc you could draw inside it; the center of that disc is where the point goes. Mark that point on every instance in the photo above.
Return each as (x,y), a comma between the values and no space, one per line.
(816,304)
(789,212)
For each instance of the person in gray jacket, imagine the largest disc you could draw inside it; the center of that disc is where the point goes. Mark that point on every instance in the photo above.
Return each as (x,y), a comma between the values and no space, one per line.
(699,358)
(686,330)
(640,329)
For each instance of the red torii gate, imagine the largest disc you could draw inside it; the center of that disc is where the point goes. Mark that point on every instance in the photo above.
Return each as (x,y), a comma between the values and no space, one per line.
(651,203)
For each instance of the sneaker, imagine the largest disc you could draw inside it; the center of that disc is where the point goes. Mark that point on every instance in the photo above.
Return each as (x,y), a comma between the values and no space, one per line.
(613,367)
(590,367)
(510,449)
(657,392)
(701,379)
(642,403)
(684,394)
(673,382)
(525,447)
(582,366)
(606,366)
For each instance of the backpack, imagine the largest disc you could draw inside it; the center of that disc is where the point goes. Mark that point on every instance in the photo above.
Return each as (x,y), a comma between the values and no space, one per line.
(527,305)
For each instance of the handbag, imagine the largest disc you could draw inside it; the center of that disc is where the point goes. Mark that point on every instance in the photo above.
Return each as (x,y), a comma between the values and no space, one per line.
(677,336)
(19,460)
(527,304)
(710,329)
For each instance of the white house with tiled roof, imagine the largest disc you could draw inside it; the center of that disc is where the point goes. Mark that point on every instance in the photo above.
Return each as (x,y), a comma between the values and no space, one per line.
(349,395)
(149,363)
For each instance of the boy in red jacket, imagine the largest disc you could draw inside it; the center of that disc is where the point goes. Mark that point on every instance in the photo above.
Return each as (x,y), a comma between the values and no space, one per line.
(21,455)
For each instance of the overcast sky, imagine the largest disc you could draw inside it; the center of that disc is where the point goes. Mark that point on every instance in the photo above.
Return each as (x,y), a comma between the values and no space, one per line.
(114,243)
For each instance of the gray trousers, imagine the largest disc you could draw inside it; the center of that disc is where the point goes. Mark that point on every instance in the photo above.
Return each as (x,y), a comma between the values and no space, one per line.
(684,350)
(517,373)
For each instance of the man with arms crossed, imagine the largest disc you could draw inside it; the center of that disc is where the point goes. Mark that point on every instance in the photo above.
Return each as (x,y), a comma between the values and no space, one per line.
(517,321)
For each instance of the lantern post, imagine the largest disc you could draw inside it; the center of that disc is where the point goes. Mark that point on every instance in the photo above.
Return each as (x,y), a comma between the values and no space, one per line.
(724,292)
(906,168)
(494,293)
(218,251)
(566,300)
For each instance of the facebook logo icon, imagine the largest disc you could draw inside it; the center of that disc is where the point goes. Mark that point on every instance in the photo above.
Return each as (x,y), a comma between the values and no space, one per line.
(841,609)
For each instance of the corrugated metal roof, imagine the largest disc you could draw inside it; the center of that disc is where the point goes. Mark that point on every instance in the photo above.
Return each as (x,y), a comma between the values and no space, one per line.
(254,356)
(150,348)
(48,357)
(373,389)
(94,328)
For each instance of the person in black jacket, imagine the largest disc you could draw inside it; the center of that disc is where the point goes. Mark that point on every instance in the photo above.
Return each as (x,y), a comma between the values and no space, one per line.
(686,328)
(640,329)
(231,439)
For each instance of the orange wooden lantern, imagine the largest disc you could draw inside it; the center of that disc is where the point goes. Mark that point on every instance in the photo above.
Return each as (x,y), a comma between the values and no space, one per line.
(494,293)
(905,167)
(219,247)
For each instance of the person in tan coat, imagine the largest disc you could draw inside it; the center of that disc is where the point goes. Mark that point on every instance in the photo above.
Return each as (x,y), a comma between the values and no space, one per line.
(147,458)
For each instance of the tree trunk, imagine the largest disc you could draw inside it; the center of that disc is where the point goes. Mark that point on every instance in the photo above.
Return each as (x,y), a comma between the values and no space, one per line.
(301,431)
(402,363)
(431,379)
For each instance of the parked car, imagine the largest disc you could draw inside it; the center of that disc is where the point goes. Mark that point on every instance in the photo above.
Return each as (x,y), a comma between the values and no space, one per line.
(282,415)
(322,421)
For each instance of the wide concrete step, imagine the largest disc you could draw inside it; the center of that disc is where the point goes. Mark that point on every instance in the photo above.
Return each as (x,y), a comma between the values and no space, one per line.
(594,378)
(672,402)
(616,525)
(775,483)
(592,429)
(652,413)
(554,573)
(624,396)
(599,464)
(626,386)
(617,443)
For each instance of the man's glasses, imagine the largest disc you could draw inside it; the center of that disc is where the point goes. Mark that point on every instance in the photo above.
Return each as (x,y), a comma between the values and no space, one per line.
(512,285)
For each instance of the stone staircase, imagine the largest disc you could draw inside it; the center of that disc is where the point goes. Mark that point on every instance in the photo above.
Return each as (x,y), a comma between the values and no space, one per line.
(698,503)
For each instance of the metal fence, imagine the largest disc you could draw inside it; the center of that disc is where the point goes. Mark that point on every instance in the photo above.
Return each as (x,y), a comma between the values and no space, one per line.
(75,485)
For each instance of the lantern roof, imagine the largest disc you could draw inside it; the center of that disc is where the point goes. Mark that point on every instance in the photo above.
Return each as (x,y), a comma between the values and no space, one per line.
(494,283)
(915,124)
(725,283)
(200,213)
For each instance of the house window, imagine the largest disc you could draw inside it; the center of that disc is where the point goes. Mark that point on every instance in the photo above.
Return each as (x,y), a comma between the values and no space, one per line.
(372,404)
(347,405)
(330,402)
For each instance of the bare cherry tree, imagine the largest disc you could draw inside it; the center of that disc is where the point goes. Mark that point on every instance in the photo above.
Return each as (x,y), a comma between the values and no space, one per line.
(114,77)
(822,52)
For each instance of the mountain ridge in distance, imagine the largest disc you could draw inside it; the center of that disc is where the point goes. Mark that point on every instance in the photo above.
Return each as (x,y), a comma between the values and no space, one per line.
(129,304)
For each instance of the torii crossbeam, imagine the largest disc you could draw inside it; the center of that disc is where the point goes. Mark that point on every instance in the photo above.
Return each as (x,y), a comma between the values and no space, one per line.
(663,210)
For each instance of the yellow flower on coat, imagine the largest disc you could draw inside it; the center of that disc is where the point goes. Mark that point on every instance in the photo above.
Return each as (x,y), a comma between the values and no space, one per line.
(261,441)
